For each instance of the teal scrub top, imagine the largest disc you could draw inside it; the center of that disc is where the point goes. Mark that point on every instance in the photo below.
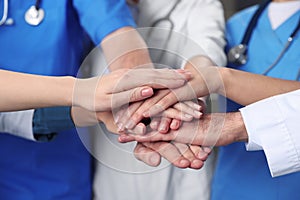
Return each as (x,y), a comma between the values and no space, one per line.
(245,175)
(62,168)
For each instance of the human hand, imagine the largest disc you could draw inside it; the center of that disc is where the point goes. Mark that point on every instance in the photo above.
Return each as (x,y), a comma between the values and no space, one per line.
(206,80)
(212,129)
(187,108)
(124,86)
(180,155)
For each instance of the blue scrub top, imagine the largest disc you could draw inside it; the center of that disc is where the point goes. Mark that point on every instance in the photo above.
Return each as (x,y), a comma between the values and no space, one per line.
(60,169)
(245,175)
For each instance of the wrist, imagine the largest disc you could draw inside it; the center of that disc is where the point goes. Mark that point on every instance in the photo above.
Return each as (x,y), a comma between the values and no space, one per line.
(236,126)
(224,78)
(67,93)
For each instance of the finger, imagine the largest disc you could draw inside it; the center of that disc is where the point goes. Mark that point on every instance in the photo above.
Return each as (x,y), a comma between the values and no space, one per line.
(132,95)
(124,138)
(164,124)
(183,93)
(156,78)
(119,113)
(161,105)
(188,154)
(139,129)
(183,107)
(193,105)
(175,124)
(124,121)
(188,133)
(199,152)
(155,123)
(138,115)
(147,155)
(153,136)
(170,153)
(177,114)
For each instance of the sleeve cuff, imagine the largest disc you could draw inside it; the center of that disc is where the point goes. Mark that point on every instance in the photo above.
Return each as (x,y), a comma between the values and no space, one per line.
(267,131)
(52,120)
(17,123)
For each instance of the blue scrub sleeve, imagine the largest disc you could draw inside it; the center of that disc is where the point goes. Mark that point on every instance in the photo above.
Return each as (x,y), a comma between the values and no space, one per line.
(101,17)
(47,122)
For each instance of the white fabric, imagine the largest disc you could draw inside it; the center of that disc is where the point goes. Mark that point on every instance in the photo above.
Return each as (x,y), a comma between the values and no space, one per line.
(119,175)
(202,21)
(273,125)
(17,123)
(280,11)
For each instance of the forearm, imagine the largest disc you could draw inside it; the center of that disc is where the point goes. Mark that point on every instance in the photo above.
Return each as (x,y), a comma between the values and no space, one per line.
(24,91)
(131,49)
(246,88)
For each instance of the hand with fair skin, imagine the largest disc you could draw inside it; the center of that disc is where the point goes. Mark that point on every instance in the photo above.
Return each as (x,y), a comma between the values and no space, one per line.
(133,52)
(180,155)
(98,93)
(123,86)
(216,129)
(242,87)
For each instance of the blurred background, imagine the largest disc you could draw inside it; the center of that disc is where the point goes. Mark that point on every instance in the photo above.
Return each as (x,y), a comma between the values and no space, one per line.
(232,6)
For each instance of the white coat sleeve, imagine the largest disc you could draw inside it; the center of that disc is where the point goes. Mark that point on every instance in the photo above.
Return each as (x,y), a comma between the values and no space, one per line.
(206,26)
(17,123)
(273,126)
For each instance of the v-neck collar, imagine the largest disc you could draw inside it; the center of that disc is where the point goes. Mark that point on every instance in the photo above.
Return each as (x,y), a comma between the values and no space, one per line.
(283,32)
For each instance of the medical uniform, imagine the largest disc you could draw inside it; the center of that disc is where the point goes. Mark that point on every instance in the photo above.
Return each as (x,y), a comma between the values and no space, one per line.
(276,131)
(60,169)
(245,175)
(199,25)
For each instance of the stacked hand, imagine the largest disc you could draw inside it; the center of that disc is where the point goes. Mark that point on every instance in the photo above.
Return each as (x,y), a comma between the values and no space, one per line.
(166,110)
(160,110)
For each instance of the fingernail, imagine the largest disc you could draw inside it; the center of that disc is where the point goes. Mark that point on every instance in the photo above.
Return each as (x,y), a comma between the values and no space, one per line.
(122,138)
(197,114)
(154,160)
(130,124)
(162,128)
(196,164)
(147,92)
(207,149)
(174,124)
(140,130)
(197,106)
(154,125)
(201,155)
(184,163)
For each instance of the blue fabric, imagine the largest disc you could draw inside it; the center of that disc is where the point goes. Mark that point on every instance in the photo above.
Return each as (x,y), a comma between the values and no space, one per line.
(245,175)
(60,169)
(52,120)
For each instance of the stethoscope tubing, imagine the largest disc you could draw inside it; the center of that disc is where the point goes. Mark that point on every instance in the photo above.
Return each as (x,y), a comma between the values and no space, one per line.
(5,12)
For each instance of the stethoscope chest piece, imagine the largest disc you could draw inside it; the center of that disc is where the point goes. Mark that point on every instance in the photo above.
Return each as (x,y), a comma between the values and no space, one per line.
(34,16)
(237,55)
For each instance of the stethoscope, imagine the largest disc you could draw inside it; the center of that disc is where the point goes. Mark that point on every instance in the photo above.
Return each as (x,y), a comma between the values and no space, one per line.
(33,16)
(237,55)
(165,18)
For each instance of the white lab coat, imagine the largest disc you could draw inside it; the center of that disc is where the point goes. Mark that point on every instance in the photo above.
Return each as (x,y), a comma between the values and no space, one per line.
(275,131)
(119,176)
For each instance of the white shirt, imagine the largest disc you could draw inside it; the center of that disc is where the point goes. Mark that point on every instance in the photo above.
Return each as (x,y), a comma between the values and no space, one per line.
(275,130)
(278,12)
